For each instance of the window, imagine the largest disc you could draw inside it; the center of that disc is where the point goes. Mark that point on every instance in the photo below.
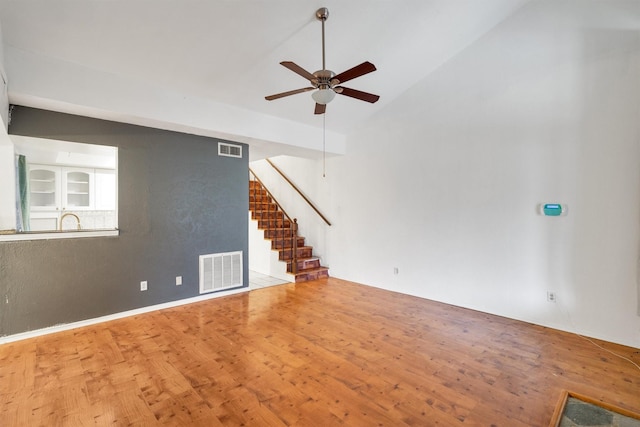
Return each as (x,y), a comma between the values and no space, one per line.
(60,187)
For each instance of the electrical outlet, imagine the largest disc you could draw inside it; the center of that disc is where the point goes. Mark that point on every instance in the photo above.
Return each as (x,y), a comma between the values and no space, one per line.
(178,280)
(143,285)
(551,296)
(395,270)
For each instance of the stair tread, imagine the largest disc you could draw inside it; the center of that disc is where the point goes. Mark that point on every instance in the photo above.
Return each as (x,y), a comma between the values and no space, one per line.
(309,258)
(310,270)
(279,239)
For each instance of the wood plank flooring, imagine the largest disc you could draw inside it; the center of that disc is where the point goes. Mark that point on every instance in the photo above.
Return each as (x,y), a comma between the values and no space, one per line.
(321,353)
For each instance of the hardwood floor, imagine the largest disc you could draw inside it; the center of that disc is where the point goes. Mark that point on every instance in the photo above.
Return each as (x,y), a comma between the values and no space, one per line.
(321,353)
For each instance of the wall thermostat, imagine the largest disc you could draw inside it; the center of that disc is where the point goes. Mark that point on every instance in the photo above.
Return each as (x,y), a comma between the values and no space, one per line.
(553,209)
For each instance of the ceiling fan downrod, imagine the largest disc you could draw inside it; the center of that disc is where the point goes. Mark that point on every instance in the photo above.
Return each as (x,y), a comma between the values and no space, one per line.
(322,15)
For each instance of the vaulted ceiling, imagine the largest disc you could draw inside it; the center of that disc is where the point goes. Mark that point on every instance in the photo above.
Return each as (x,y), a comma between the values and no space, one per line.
(205,66)
(172,63)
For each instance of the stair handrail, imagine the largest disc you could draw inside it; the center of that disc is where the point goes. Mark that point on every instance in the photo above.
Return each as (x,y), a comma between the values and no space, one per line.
(293,225)
(295,187)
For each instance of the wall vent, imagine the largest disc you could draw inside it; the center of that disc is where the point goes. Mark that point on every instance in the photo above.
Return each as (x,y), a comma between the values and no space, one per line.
(220,271)
(229,150)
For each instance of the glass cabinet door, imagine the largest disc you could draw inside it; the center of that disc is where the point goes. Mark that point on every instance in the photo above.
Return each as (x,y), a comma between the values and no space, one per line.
(78,189)
(44,190)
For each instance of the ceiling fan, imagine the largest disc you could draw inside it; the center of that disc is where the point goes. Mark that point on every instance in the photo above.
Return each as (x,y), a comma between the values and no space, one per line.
(325,82)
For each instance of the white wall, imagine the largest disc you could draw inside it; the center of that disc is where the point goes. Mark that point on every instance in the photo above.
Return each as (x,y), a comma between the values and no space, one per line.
(4,94)
(7,171)
(445,182)
(7,183)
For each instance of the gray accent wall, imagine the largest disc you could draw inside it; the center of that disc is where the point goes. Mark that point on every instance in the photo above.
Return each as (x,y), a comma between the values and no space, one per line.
(177,200)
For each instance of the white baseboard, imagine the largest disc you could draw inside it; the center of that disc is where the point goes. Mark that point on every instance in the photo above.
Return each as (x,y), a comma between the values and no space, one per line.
(102,319)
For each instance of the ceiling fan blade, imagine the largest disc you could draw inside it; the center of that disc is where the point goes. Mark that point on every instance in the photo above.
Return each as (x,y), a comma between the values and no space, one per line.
(363,96)
(357,71)
(320,108)
(299,70)
(291,92)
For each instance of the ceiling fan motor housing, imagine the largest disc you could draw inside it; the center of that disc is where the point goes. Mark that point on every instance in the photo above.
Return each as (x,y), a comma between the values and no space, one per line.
(325,79)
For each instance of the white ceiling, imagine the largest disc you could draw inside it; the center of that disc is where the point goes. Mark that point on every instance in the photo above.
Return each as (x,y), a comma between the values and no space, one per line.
(228,53)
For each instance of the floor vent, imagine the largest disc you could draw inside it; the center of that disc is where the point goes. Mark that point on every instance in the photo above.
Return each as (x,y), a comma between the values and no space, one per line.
(220,271)
(229,150)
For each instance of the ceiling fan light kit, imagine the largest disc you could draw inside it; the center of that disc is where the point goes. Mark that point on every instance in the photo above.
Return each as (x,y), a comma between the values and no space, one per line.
(325,83)
(323,96)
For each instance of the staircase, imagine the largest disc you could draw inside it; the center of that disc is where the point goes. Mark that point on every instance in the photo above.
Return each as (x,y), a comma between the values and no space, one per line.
(277,229)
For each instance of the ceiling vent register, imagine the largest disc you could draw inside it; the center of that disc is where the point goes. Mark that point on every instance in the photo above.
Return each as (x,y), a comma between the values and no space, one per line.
(229,150)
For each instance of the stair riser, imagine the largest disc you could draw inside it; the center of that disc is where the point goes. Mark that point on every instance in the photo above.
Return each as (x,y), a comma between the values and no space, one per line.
(259,199)
(306,277)
(303,265)
(259,195)
(271,224)
(263,206)
(258,192)
(277,233)
(267,215)
(285,243)
(257,189)
(286,254)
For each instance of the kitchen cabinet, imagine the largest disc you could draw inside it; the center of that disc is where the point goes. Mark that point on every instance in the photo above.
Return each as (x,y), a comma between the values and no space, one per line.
(60,188)
(77,189)
(44,187)
(54,190)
